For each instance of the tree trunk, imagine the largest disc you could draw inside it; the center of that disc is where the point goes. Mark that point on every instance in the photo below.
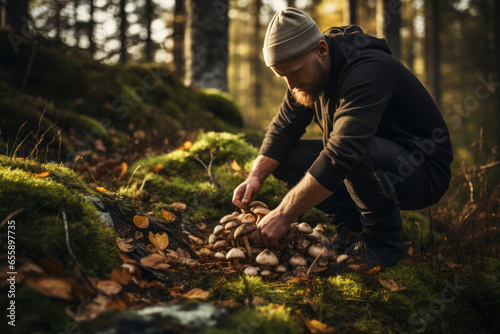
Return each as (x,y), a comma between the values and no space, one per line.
(353,17)
(207,43)
(57,20)
(16,13)
(410,14)
(255,62)
(123,32)
(179,35)
(389,24)
(76,24)
(432,48)
(497,61)
(148,47)
(91,27)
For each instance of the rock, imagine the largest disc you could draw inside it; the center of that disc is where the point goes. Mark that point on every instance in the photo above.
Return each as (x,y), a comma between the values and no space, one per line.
(104,215)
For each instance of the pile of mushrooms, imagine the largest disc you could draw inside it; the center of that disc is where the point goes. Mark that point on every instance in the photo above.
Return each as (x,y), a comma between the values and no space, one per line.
(234,240)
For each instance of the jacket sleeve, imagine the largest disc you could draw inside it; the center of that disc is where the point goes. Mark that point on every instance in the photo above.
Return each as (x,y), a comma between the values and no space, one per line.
(286,128)
(365,89)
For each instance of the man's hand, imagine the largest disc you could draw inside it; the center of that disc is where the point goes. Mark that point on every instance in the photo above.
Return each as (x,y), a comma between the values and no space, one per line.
(246,192)
(272,228)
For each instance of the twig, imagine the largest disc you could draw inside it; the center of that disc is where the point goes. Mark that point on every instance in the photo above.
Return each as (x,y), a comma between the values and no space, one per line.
(47,149)
(12,215)
(14,154)
(40,123)
(41,139)
(79,265)
(312,264)
(208,168)
(492,164)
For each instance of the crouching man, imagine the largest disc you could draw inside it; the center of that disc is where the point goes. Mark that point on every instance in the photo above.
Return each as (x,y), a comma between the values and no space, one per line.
(385,144)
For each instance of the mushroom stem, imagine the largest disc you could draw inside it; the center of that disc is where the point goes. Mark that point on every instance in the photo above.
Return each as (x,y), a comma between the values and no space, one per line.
(236,263)
(249,249)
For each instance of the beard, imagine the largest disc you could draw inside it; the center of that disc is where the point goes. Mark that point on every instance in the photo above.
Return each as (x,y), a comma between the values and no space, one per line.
(304,98)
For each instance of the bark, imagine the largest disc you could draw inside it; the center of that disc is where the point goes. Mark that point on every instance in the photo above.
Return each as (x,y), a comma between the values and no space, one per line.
(148,47)
(16,13)
(179,35)
(123,32)
(207,43)
(389,24)
(497,64)
(410,14)
(353,17)
(432,48)
(255,62)
(76,25)
(91,27)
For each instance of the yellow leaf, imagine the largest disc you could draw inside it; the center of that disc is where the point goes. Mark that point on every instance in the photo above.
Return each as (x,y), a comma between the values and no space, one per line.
(101,189)
(197,294)
(235,166)
(159,240)
(374,270)
(169,216)
(157,168)
(141,221)
(44,174)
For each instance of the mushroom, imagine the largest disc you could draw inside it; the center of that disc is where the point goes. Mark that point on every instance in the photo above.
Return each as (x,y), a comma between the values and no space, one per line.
(315,235)
(304,228)
(220,245)
(203,252)
(280,268)
(212,239)
(235,255)
(257,203)
(226,219)
(317,251)
(231,226)
(341,258)
(323,262)
(297,260)
(265,273)
(218,230)
(302,246)
(220,256)
(250,271)
(260,211)
(267,259)
(242,232)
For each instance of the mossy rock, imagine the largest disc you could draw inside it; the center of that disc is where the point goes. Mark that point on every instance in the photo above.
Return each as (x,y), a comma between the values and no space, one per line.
(222,105)
(40,228)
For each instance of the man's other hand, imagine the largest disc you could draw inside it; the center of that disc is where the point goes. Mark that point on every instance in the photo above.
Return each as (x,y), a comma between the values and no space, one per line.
(246,192)
(271,228)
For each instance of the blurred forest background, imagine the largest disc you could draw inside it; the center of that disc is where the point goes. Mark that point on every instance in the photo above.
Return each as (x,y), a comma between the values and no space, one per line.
(453,46)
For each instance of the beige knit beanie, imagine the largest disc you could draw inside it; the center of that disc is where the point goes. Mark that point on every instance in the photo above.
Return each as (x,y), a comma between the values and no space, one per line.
(290,34)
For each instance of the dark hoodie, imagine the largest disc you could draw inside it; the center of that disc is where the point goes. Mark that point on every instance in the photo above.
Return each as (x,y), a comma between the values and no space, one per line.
(369,93)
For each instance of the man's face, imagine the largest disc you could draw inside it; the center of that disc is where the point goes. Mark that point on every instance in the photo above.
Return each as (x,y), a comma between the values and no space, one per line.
(307,75)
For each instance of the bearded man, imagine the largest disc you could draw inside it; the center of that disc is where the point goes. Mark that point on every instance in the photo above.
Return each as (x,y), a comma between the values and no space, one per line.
(385,144)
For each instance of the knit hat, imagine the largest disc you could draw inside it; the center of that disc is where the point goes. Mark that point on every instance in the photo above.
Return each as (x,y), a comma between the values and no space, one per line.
(290,34)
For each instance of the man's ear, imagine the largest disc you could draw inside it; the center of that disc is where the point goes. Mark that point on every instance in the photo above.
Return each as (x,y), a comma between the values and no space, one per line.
(322,49)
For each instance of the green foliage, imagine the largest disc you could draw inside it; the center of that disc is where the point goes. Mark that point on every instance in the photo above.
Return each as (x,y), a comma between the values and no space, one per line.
(40,224)
(222,105)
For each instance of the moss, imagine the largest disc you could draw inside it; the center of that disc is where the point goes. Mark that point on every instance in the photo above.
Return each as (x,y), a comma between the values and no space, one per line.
(417,228)
(222,105)
(40,225)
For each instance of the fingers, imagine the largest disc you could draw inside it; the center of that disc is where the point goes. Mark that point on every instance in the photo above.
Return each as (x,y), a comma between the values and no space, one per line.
(237,196)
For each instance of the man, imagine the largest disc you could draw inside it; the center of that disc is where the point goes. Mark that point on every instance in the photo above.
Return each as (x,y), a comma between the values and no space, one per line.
(385,144)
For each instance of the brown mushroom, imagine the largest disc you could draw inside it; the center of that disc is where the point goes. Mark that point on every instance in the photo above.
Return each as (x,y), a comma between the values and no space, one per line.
(220,256)
(304,228)
(220,245)
(267,259)
(250,271)
(317,250)
(242,232)
(297,260)
(235,255)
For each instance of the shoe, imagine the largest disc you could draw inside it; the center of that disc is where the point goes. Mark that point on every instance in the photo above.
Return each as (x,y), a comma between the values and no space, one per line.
(382,248)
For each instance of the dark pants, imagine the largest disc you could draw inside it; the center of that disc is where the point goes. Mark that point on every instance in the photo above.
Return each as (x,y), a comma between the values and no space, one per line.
(370,199)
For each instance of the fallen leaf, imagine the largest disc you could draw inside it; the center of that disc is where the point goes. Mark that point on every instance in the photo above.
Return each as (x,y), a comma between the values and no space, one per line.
(313,326)
(197,294)
(168,216)
(374,270)
(53,286)
(391,285)
(157,168)
(235,166)
(109,287)
(123,170)
(138,235)
(124,244)
(155,261)
(101,189)
(182,253)
(43,174)
(159,240)
(121,276)
(179,206)
(141,221)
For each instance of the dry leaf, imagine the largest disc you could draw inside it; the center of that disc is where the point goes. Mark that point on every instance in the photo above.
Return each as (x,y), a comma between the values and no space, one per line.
(235,166)
(123,170)
(43,174)
(109,287)
(391,285)
(123,244)
(182,253)
(197,294)
(53,287)
(155,261)
(374,270)
(159,240)
(157,168)
(138,235)
(313,326)
(141,221)
(179,206)
(168,216)
(186,146)
(121,276)
(101,189)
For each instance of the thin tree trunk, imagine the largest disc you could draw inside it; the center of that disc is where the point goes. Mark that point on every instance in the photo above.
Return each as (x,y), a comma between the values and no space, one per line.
(432,46)
(57,20)
(179,35)
(207,44)
(15,12)
(497,61)
(389,24)
(76,25)
(255,62)
(123,32)
(148,48)
(353,17)
(410,15)
(91,27)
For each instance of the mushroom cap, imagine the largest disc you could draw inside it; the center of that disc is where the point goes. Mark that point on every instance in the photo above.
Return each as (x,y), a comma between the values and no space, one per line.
(212,239)
(265,273)
(280,268)
(303,245)
(218,229)
(317,250)
(244,230)
(231,224)
(341,258)
(323,262)
(297,260)
(241,216)
(305,228)
(227,219)
(221,244)
(320,228)
(235,254)
(291,232)
(221,256)
(258,203)
(315,235)
(248,218)
(260,210)
(267,258)
(203,252)
(250,271)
